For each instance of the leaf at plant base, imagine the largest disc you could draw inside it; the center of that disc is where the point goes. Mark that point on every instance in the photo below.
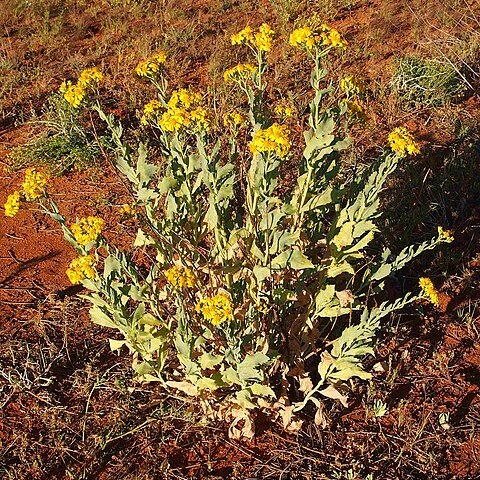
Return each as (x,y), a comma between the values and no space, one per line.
(207,360)
(243,398)
(116,344)
(149,319)
(262,390)
(185,387)
(205,383)
(247,430)
(166,184)
(142,368)
(332,392)
(354,371)
(261,273)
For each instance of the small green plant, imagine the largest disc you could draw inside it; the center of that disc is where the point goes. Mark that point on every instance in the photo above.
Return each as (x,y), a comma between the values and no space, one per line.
(246,289)
(379,408)
(66,143)
(427,82)
(444,420)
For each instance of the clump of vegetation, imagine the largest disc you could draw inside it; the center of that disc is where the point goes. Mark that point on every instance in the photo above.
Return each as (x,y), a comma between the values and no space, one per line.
(427,82)
(67,142)
(270,306)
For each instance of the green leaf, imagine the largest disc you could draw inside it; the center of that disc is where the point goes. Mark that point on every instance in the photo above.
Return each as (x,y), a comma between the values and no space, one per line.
(207,360)
(205,383)
(99,317)
(111,265)
(244,399)
(116,344)
(292,258)
(262,390)
(145,171)
(142,239)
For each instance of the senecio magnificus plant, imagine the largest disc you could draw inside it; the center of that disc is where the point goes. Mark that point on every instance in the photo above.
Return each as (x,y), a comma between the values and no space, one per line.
(243,306)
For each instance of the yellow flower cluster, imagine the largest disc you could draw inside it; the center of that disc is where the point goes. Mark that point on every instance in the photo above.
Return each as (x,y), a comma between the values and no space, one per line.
(184,111)
(233,120)
(239,72)
(34,184)
(74,93)
(402,142)
(180,277)
(429,291)
(352,85)
(262,39)
(81,268)
(127,210)
(12,205)
(184,98)
(331,37)
(305,37)
(273,139)
(243,36)
(216,309)
(283,111)
(445,235)
(151,66)
(150,110)
(90,77)
(87,229)
(33,187)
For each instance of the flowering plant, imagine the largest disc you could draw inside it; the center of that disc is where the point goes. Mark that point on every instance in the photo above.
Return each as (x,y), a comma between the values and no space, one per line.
(246,286)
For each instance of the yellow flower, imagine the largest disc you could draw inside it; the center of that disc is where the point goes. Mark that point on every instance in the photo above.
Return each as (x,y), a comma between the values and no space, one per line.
(12,205)
(127,210)
(217,309)
(243,36)
(87,229)
(273,139)
(90,76)
(200,119)
(185,98)
(174,119)
(184,111)
(150,110)
(283,111)
(233,120)
(34,183)
(352,85)
(152,65)
(445,235)
(239,72)
(180,277)
(264,38)
(331,37)
(303,37)
(74,94)
(429,291)
(81,268)
(402,142)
